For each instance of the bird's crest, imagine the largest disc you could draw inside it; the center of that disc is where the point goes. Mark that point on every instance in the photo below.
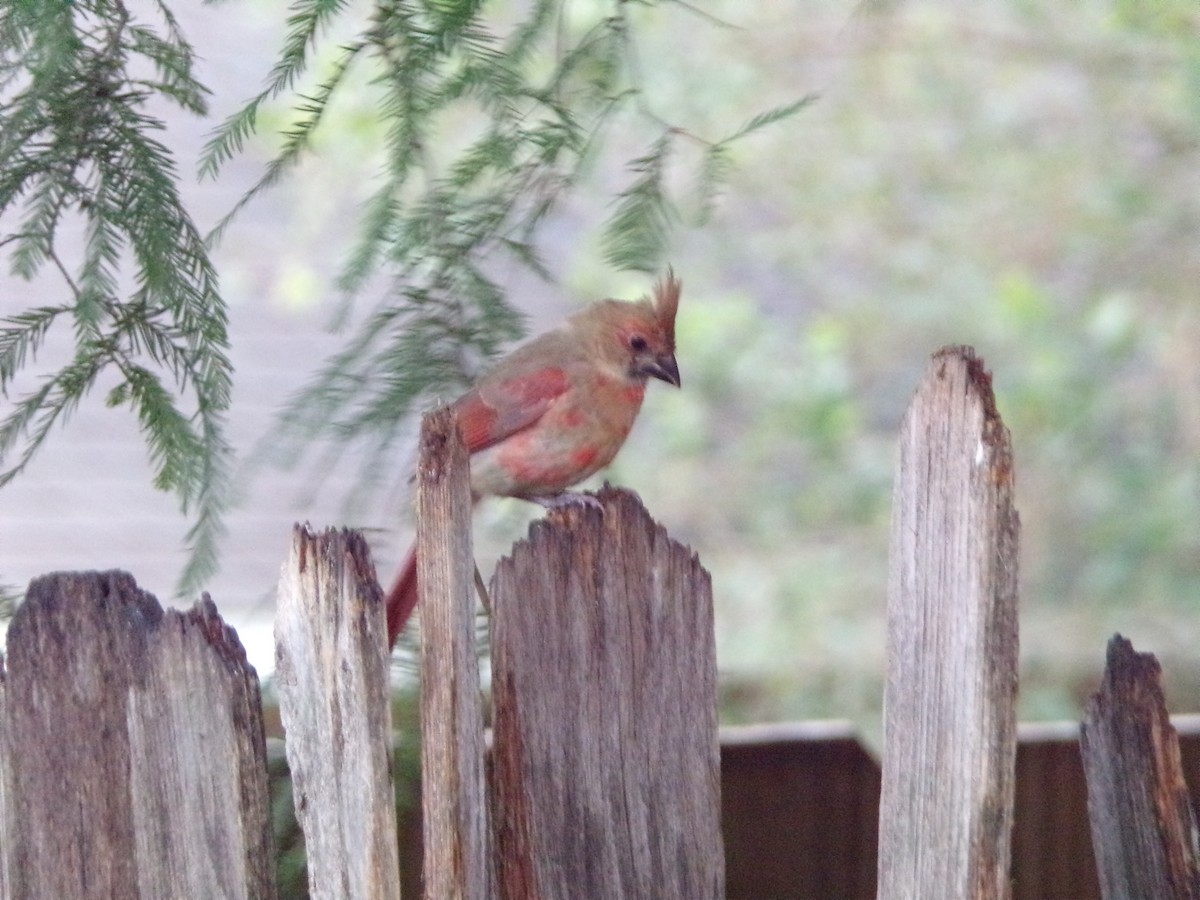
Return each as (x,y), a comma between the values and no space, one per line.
(666,304)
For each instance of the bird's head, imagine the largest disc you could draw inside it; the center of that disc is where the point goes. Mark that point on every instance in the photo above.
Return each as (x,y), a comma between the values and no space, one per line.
(638,335)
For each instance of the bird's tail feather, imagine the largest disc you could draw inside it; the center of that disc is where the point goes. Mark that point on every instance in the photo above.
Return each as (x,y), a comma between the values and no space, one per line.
(402,598)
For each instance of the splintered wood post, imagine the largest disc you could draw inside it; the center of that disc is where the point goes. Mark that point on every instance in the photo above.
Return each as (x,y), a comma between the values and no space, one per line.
(946,809)
(1143,826)
(454,791)
(605,758)
(133,744)
(332,675)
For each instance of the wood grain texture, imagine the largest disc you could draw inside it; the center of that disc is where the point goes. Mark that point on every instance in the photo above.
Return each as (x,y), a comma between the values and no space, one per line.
(457,862)
(332,676)
(946,809)
(135,743)
(1143,825)
(605,760)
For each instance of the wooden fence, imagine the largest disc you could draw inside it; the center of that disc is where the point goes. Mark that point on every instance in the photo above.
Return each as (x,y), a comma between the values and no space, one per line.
(133,762)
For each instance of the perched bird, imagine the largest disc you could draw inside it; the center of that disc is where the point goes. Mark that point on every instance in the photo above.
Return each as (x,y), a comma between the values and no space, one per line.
(558,408)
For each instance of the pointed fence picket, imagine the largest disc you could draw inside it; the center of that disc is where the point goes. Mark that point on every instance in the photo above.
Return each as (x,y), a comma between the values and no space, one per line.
(950,724)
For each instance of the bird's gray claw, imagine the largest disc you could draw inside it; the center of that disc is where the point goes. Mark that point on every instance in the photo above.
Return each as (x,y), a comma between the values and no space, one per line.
(568,498)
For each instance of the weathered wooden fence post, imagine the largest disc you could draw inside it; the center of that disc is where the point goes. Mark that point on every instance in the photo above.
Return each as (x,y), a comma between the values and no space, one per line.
(605,761)
(1143,826)
(946,808)
(457,861)
(332,675)
(133,751)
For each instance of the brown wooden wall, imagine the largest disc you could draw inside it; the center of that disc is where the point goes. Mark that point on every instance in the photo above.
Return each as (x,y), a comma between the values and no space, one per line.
(800,813)
(801,805)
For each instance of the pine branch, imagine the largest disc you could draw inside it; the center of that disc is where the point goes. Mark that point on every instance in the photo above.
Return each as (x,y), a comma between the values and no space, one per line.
(77,143)
(21,337)
(296,139)
(173,447)
(714,171)
(38,412)
(635,237)
(770,117)
(304,26)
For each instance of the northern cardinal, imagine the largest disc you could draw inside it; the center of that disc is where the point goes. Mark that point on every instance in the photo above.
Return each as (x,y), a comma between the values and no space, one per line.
(558,408)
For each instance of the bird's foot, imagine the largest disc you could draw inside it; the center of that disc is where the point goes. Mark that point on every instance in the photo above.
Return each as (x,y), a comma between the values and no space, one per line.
(565,499)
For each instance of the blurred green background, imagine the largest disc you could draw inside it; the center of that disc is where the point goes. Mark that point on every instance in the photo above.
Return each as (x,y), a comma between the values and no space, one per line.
(1022,177)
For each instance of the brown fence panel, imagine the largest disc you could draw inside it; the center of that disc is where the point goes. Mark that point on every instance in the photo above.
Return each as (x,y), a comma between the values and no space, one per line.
(1052,849)
(800,801)
(799,812)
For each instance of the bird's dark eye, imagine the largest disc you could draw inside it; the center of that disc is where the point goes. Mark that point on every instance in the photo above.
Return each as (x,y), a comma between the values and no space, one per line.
(638,344)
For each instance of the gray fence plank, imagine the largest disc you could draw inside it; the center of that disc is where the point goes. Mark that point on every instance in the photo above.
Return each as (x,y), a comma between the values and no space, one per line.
(135,746)
(457,860)
(946,809)
(332,676)
(606,769)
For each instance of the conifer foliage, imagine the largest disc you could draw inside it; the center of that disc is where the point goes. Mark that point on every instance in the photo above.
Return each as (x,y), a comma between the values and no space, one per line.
(78,147)
(540,93)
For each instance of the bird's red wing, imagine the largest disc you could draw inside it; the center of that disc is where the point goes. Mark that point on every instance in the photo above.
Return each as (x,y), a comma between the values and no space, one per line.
(491,412)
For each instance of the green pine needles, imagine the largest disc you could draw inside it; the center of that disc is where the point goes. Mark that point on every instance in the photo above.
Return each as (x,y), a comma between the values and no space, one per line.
(540,97)
(78,148)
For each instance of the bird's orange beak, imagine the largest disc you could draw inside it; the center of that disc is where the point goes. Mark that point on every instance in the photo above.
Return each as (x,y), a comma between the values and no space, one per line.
(664,368)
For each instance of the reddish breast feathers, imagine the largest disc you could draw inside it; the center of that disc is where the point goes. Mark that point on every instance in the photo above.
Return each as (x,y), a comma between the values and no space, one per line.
(575,437)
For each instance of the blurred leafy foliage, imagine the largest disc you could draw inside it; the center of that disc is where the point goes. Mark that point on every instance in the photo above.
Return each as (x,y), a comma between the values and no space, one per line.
(1024,178)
